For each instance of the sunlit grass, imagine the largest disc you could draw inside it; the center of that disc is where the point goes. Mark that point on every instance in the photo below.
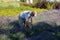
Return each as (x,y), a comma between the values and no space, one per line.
(9,12)
(14,10)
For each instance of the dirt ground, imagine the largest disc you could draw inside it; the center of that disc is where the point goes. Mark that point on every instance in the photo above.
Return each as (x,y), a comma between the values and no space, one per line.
(50,15)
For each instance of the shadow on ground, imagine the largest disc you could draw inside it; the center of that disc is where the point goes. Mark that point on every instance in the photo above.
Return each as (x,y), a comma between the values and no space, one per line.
(39,31)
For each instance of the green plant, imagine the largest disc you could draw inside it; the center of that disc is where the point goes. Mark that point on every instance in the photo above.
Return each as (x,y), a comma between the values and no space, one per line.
(17,36)
(49,6)
(4,37)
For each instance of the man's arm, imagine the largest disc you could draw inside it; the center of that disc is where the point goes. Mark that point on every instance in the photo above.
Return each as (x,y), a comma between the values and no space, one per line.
(31,20)
(26,21)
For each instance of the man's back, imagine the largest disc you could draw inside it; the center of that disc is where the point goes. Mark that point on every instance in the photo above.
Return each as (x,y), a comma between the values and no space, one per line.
(25,14)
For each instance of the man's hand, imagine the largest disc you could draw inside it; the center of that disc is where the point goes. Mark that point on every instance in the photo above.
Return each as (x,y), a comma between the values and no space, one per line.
(26,23)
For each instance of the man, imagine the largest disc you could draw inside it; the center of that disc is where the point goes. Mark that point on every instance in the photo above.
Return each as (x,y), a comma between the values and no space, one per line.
(25,16)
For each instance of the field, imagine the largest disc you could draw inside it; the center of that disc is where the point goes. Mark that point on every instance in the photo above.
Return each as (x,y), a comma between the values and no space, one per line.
(14,8)
(46,25)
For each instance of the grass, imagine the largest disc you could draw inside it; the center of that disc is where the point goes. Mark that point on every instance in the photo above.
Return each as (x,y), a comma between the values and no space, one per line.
(13,9)
(10,11)
(49,6)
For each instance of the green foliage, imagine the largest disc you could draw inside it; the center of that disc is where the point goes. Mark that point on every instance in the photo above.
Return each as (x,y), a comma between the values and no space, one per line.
(55,0)
(35,1)
(49,6)
(17,36)
(4,37)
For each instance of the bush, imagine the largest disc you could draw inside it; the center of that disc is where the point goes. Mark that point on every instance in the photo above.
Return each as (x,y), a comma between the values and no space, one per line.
(47,5)
(56,5)
(41,4)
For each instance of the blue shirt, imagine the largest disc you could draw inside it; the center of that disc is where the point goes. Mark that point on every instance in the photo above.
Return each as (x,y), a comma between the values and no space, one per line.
(25,14)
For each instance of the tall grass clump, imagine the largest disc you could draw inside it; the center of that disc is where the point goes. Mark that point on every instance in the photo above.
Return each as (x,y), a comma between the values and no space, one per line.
(49,6)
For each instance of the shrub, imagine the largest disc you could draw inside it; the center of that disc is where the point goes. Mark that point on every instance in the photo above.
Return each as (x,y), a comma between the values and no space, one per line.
(56,5)
(50,5)
(41,4)
(47,5)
